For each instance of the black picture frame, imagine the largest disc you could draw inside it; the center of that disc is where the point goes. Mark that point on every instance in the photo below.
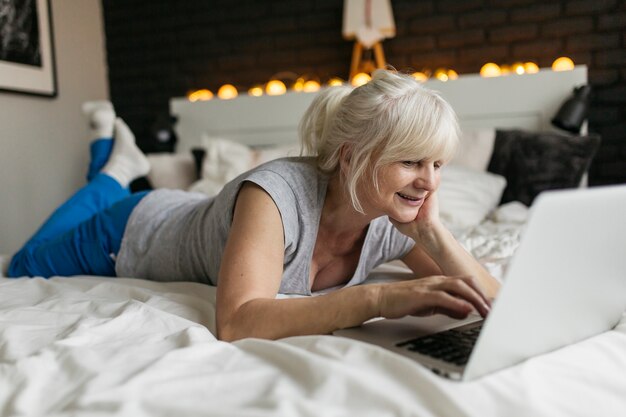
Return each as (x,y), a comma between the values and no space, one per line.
(27,61)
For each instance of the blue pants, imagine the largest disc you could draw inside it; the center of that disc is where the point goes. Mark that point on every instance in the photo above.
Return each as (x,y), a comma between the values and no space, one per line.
(81,236)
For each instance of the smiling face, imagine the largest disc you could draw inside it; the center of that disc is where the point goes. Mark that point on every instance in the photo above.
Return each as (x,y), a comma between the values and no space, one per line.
(402,189)
(392,118)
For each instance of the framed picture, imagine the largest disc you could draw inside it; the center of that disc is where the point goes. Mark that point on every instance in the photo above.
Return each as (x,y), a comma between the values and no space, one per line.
(27,48)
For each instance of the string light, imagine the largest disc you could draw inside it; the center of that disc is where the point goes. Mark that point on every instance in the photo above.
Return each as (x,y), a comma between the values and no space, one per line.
(360,79)
(441,74)
(531,68)
(200,95)
(305,84)
(298,85)
(490,70)
(335,82)
(518,68)
(256,91)
(311,86)
(275,88)
(420,76)
(563,64)
(227,92)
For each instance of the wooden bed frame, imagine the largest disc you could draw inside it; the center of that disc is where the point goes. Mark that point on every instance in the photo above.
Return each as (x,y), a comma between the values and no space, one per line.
(514,101)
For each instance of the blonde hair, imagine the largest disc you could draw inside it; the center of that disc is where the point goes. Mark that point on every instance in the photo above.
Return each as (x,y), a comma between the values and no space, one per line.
(391,118)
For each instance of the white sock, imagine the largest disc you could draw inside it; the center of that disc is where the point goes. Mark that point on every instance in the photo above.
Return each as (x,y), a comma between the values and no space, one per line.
(101,118)
(126,162)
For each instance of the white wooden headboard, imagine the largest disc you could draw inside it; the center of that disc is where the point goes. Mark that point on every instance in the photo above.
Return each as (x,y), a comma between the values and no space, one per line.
(514,101)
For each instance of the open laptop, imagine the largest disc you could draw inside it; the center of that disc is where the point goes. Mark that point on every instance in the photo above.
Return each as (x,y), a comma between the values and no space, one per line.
(566,282)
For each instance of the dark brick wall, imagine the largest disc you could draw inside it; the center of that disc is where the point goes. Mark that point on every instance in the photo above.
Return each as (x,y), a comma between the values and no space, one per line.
(158,49)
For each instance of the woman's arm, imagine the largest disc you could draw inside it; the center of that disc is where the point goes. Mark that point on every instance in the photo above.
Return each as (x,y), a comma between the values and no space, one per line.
(438,252)
(444,255)
(251,272)
(250,276)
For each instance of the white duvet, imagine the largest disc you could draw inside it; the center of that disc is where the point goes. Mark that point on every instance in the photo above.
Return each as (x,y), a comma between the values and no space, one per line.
(117,346)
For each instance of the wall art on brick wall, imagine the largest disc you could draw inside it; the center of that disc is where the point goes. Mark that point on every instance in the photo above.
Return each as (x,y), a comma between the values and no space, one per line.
(27,48)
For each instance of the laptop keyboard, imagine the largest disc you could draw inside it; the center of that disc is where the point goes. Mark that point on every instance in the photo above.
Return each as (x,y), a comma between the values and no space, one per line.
(453,346)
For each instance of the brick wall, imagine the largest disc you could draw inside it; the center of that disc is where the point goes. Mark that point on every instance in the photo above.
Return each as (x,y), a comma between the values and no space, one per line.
(158,49)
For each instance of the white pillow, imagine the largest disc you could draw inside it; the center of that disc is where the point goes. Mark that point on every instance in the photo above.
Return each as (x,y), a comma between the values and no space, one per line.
(171,170)
(467,196)
(268,153)
(475,149)
(225,159)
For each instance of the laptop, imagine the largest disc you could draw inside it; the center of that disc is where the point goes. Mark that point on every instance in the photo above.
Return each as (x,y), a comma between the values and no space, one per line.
(565,283)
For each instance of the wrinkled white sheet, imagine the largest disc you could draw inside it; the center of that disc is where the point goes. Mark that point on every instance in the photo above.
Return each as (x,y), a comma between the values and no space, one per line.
(493,241)
(102,346)
(118,346)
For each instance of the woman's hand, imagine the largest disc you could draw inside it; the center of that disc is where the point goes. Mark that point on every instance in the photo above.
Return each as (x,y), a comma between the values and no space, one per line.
(453,296)
(421,229)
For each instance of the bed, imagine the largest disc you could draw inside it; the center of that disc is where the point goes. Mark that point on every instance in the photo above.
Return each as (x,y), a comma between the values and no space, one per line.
(100,346)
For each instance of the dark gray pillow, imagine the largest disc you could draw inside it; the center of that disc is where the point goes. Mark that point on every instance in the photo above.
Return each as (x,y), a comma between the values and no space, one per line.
(533,162)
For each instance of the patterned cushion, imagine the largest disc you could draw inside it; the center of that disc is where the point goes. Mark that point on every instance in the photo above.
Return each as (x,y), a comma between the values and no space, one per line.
(533,162)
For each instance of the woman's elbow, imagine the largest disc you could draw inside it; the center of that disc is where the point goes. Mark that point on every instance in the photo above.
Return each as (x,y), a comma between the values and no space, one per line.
(226,332)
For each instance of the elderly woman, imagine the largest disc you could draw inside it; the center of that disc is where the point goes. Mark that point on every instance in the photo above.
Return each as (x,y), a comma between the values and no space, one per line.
(294,225)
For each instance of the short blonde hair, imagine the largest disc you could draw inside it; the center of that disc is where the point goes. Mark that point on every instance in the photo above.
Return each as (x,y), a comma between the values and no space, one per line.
(391,118)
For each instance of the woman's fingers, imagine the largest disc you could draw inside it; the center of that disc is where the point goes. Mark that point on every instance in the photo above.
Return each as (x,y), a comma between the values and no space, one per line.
(467,288)
(441,302)
(453,296)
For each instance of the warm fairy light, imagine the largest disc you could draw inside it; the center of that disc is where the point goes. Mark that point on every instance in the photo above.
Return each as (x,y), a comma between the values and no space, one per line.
(490,70)
(360,79)
(256,91)
(518,68)
(298,86)
(420,76)
(563,64)
(275,88)
(335,82)
(227,91)
(531,68)
(441,74)
(311,86)
(200,95)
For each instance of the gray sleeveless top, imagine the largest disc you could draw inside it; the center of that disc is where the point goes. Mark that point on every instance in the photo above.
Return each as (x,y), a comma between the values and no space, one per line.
(174,235)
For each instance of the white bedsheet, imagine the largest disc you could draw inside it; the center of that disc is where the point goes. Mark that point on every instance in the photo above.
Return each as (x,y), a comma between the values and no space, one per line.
(102,346)
(120,346)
